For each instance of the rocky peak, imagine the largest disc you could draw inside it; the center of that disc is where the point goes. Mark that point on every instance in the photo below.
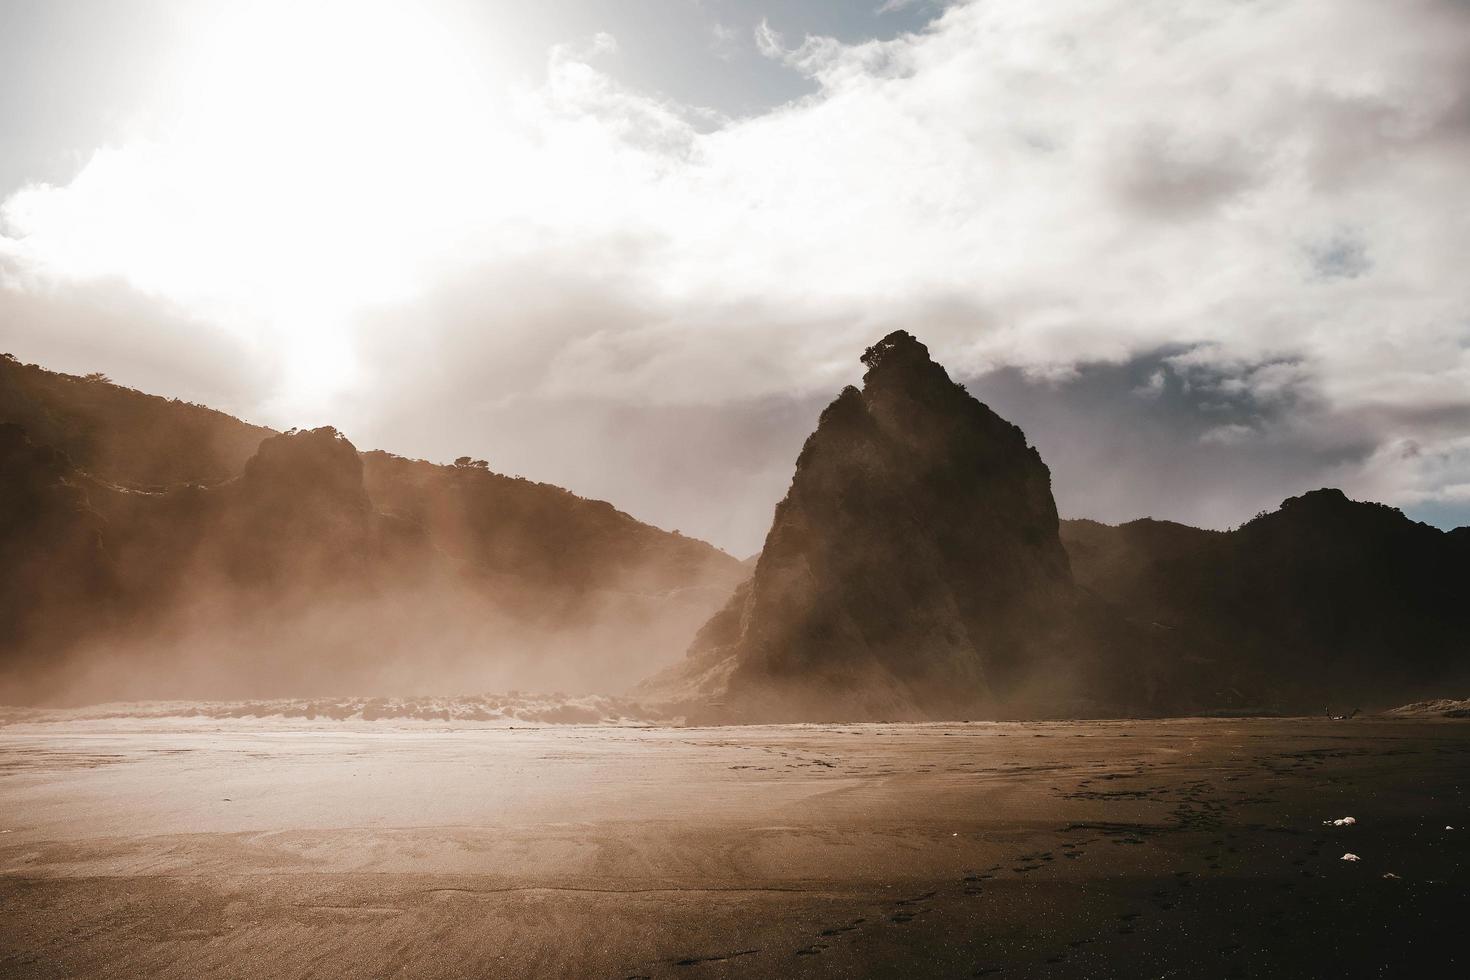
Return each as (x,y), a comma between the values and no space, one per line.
(900,371)
(912,564)
(299,513)
(898,352)
(318,465)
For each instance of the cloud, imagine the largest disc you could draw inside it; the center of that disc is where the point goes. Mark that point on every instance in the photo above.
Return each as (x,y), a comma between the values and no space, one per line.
(1167,434)
(768,41)
(724,41)
(1341,256)
(1267,189)
(107,325)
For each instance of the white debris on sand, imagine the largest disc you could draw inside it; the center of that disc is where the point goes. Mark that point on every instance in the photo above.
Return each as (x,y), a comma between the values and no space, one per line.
(1390,876)
(1350,856)
(1441,708)
(477,710)
(1344,822)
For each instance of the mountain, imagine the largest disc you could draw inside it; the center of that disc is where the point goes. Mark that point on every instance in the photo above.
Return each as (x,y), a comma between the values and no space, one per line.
(1325,600)
(153,548)
(917,569)
(914,570)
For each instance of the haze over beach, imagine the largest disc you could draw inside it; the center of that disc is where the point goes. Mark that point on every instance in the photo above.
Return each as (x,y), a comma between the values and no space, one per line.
(687,489)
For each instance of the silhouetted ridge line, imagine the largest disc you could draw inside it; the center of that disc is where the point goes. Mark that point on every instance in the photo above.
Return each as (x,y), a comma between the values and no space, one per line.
(917,569)
(167,550)
(1324,599)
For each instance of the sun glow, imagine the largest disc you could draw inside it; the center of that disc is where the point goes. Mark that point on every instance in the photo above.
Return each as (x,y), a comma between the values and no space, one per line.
(304,170)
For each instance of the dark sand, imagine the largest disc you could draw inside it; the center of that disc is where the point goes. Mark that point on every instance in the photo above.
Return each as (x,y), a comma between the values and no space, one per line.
(1192,848)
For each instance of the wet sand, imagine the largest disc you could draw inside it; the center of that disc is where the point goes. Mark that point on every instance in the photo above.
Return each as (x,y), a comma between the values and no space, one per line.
(1188,848)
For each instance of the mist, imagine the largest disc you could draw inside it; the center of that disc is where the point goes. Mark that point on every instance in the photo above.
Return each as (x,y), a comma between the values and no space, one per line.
(230,562)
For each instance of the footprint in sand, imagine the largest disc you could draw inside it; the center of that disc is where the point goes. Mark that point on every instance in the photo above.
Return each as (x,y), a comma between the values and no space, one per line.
(839,930)
(714,958)
(916,899)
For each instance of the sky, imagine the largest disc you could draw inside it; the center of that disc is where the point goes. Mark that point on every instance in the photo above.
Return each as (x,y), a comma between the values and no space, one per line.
(1207,253)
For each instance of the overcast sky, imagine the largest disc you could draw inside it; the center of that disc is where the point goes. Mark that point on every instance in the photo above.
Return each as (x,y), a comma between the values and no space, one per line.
(1208,253)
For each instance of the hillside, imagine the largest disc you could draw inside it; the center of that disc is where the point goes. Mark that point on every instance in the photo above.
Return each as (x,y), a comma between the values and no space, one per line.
(1325,599)
(123,435)
(154,548)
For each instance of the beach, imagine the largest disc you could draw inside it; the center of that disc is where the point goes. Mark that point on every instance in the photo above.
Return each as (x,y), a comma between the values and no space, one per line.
(135,846)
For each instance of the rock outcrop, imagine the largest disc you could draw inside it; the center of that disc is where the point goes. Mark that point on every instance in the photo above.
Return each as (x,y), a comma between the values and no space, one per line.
(914,569)
(917,569)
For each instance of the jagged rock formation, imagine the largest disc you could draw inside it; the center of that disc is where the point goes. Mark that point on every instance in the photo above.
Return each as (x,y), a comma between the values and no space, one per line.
(303,566)
(917,569)
(914,569)
(1325,599)
(297,520)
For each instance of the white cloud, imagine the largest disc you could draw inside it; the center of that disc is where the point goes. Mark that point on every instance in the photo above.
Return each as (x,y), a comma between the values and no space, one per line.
(768,41)
(724,41)
(1228,435)
(1022,184)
